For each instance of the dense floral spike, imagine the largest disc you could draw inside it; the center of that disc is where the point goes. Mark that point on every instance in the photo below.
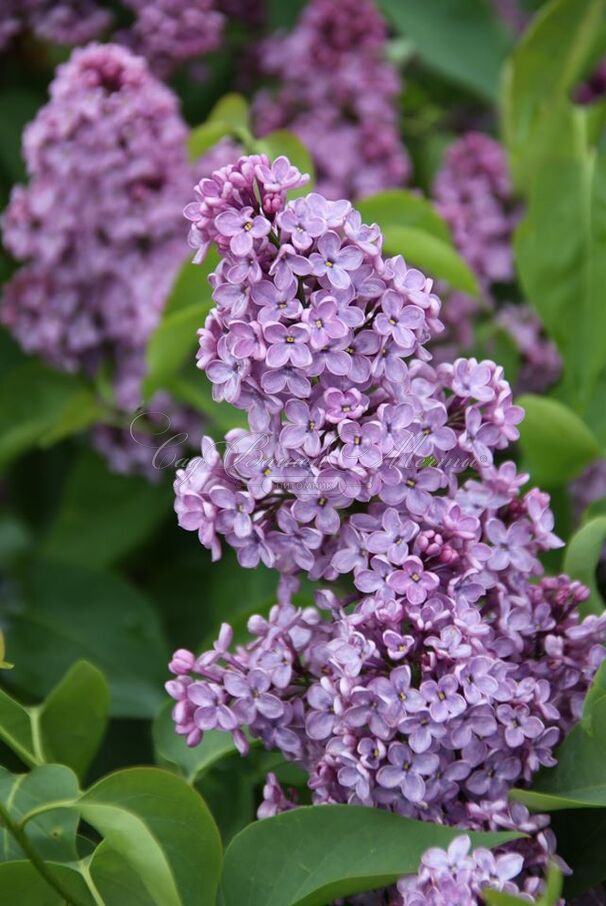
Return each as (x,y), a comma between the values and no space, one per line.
(168,32)
(68,22)
(337,92)
(441,675)
(97,275)
(473,193)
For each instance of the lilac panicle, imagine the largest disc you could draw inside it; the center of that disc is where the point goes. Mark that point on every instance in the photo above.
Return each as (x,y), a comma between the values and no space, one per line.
(96,275)
(437,669)
(68,22)
(473,193)
(337,91)
(169,32)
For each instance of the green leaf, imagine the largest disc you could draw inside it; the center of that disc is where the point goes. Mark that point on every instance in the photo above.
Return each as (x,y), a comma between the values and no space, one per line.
(232,110)
(52,834)
(21,883)
(127,509)
(204,137)
(194,389)
(163,830)
(81,411)
(540,75)
(283,142)
(556,444)
(580,835)
(399,207)
(172,750)
(175,339)
(559,248)
(115,880)
(16,730)
(33,400)
(17,107)
(582,558)
(73,718)
(72,613)
(460,39)
(340,850)
(435,256)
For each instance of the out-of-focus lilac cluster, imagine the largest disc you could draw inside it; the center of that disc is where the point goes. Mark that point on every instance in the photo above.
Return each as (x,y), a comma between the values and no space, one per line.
(65,22)
(97,275)
(165,32)
(168,32)
(473,193)
(540,363)
(336,91)
(433,674)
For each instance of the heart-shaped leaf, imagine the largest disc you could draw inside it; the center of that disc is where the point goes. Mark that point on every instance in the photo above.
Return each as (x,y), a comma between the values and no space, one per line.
(162,829)
(312,855)
(556,443)
(21,883)
(52,834)
(74,717)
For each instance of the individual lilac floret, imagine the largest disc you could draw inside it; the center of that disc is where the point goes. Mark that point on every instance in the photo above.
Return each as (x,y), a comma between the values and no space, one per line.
(449,670)
(96,276)
(337,91)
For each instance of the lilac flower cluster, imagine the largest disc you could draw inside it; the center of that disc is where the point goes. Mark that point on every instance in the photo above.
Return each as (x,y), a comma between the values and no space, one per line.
(473,193)
(66,22)
(458,876)
(432,675)
(168,32)
(338,94)
(97,275)
(541,365)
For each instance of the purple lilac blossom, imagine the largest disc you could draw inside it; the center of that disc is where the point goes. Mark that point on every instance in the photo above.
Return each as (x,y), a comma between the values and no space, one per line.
(473,193)
(541,365)
(337,92)
(448,670)
(96,276)
(68,22)
(169,32)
